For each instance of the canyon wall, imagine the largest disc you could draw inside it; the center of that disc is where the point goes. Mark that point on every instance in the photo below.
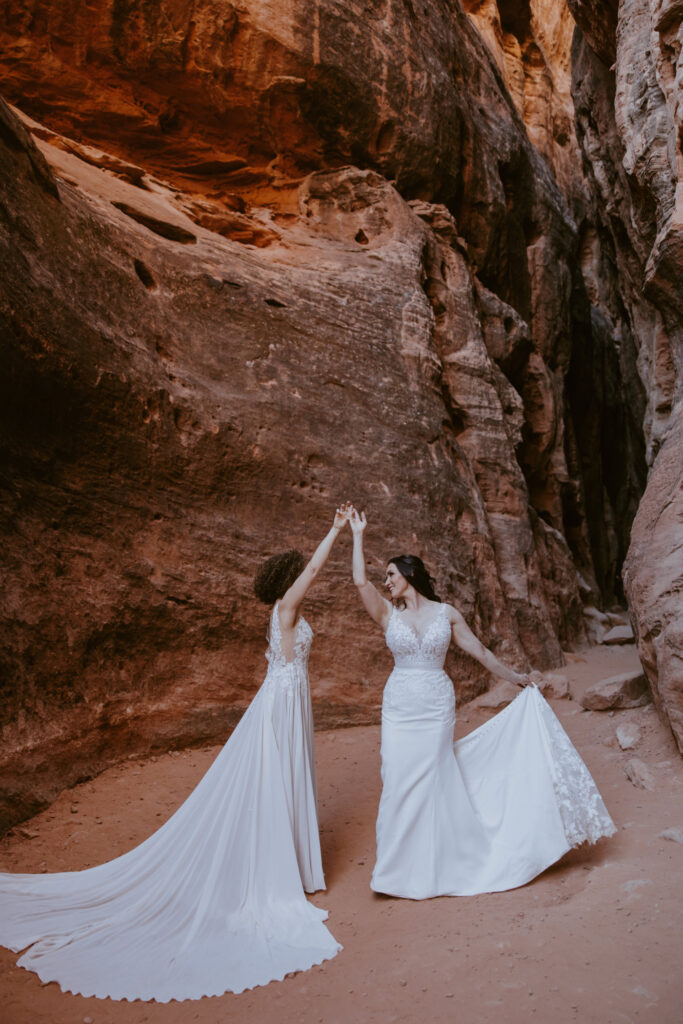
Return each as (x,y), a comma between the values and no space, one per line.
(627,86)
(261,257)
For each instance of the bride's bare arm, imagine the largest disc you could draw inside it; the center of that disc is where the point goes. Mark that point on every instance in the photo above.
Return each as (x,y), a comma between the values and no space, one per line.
(291,600)
(376,605)
(468,642)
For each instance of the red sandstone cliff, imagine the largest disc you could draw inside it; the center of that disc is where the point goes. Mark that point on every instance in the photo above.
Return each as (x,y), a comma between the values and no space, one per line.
(289,253)
(627,89)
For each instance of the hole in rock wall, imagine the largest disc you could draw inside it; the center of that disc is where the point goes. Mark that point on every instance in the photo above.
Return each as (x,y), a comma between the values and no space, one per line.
(385,138)
(515,18)
(361,237)
(144,274)
(275,303)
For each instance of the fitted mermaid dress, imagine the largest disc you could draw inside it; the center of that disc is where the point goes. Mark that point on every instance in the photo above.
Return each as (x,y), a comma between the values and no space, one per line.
(214,900)
(485,814)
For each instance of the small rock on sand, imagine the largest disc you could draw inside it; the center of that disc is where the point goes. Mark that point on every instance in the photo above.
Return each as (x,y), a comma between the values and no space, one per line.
(673,834)
(628,735)
(639,774)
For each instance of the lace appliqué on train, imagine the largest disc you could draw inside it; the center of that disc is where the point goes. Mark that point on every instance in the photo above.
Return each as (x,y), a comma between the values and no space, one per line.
(584,815)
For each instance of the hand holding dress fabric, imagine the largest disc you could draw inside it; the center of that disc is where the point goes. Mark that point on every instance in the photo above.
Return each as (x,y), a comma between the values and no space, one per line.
(489,812)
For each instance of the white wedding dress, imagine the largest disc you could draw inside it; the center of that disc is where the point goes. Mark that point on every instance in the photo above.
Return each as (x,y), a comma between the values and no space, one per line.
(487,813)
(212,902)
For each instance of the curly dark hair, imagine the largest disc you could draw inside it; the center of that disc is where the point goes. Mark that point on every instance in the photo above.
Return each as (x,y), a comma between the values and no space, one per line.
(413,569)
(277,574)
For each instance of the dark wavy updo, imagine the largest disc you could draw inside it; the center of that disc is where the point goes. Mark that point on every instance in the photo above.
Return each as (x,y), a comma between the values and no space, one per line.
(277,574)
(413,569)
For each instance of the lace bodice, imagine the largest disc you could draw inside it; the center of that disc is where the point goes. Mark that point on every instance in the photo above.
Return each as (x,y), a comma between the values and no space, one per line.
(303,637)
(412,651)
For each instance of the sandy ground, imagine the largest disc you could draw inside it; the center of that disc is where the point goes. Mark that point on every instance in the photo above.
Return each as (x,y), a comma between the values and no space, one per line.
(597,938)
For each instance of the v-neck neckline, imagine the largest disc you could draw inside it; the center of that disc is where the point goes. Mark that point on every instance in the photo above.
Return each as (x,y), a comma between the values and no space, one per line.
(419,639)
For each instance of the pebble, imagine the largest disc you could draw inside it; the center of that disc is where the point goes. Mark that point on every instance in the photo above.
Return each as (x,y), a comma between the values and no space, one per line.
(674,834)
(628,735)
(26,833)
(639,774)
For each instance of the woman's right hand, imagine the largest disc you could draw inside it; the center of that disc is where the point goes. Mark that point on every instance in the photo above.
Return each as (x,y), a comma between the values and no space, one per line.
(528,678)
(341,516)
(357,520)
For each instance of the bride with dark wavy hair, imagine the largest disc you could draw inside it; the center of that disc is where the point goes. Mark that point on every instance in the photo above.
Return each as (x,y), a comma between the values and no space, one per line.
(214,901)
(491,811)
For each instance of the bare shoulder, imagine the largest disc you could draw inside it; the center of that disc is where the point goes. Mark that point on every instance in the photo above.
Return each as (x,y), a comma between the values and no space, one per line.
(453,615)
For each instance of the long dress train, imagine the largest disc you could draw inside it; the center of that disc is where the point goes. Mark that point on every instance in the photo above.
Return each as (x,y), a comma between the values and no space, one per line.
(487,813)
(214,900)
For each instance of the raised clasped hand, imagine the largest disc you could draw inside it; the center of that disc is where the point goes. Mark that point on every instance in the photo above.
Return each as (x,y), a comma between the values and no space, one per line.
(342,515)
(357,520)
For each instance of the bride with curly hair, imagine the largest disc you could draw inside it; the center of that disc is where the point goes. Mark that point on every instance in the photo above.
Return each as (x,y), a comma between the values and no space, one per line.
(214,901)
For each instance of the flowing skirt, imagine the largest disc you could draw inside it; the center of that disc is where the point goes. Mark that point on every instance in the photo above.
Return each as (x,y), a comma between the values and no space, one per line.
(212,902)
(485,814)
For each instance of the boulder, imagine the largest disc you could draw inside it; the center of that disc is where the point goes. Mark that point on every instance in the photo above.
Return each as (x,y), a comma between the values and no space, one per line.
(554,686)
(499,696)
(597,623)
(629,690)
(618,635)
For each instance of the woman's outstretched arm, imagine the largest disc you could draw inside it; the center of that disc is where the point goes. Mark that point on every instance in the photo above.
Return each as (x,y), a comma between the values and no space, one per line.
(376,605)
(468,642)
(291,600)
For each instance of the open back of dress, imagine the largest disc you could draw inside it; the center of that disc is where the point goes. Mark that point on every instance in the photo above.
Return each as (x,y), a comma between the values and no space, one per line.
(214,900)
